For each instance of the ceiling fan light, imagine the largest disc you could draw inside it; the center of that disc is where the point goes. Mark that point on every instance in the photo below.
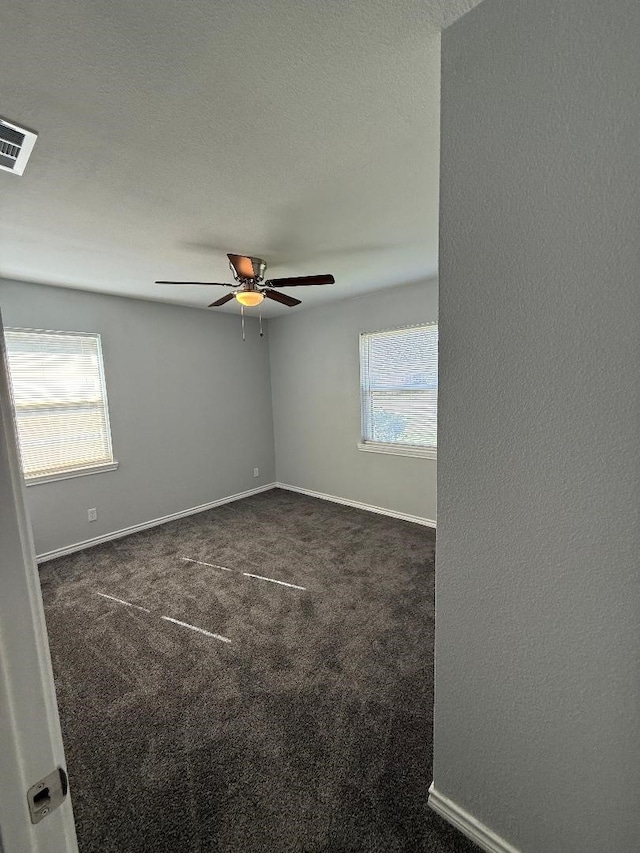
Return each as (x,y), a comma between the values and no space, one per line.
(249,298)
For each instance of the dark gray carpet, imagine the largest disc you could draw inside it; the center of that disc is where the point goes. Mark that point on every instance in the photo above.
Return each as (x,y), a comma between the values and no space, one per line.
(310,732)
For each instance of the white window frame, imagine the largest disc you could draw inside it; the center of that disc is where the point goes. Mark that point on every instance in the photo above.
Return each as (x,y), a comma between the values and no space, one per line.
(84,470)
(395,448)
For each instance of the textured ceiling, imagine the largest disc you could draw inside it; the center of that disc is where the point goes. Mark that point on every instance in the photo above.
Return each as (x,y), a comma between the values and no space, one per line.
(171,132)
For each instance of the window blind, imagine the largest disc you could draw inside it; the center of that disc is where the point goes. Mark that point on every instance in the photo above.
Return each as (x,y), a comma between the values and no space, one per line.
(60,399)
(399,386)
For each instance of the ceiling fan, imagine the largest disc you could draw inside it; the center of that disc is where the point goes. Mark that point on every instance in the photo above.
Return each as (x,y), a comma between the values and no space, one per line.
(251,288)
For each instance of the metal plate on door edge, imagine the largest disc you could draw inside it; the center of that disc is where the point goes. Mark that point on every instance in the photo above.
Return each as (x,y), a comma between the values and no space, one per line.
(47,794)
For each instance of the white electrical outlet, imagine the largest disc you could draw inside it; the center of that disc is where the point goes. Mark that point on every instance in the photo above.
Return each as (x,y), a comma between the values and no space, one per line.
(92,514)
(256,472)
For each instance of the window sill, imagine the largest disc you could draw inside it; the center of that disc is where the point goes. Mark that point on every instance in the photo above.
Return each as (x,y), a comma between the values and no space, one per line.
(398,449)
(68,475)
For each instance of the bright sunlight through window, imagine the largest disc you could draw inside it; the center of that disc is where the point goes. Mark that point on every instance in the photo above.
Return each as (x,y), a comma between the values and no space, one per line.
(61,403)
(399,390)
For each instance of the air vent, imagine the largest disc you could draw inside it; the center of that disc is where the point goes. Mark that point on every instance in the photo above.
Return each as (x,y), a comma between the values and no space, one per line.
(16,145)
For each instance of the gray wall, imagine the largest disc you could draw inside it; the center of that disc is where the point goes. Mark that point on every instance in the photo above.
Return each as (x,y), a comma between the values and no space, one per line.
(189,403)
(537,730)
(316,402)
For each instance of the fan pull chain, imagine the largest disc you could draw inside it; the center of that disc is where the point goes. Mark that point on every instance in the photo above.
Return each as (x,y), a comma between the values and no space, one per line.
(260,316)
(242,315)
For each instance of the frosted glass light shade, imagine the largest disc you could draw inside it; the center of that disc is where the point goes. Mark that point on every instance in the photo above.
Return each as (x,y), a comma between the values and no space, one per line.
(249,298)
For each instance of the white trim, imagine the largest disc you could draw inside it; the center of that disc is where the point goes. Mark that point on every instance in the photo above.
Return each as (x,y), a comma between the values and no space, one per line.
(145,525)
(484,837)
(404,516)
(30,738)
(68,475)
(154,522)
(389,330)
(398,449)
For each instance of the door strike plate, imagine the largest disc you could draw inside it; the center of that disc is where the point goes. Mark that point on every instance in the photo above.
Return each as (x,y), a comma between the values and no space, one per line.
(47,794)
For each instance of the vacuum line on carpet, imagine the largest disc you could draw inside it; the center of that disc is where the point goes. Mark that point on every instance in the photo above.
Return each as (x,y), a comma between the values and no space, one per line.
(272,580)
(211,565)
(121,601)
(199,630)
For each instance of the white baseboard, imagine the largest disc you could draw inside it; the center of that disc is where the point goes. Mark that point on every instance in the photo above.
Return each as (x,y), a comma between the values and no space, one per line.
(136,528)
(154,522)
(416,519)
(467,824)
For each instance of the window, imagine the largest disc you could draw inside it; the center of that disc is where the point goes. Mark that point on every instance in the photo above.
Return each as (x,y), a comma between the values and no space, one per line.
(61,403)
(399,388)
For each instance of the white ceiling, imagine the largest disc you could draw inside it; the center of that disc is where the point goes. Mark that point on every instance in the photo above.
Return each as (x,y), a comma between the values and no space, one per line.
(171,132)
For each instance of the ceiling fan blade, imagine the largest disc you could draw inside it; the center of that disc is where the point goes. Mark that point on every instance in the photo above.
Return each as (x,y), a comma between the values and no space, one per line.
(222,301)
(301,280)
(283,298)
(247,267)
(208,283)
